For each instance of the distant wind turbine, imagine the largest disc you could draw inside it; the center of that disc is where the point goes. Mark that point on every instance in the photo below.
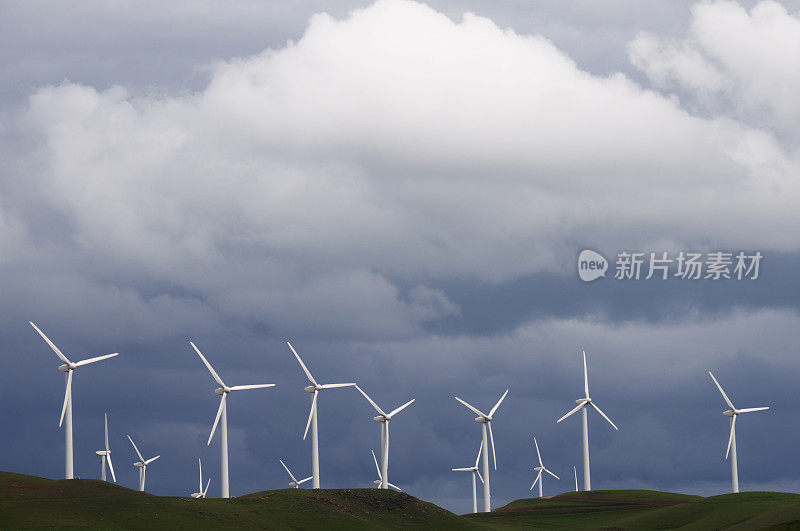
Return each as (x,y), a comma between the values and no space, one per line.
(541,468)
(66,409)
(314,389)
(582,405)
(222,412)
(202,492)
(383,420)
(486,425)
(380,481)
(141,464)
(475,471)
(105,455)
(294,483)
(732,413)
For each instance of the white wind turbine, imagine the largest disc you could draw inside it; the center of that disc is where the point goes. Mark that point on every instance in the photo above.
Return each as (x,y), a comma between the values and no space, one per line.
(66,410)
(475,471)
(383,419)
(105,456)
(202,492)
(733,413)
(141,464)
(314,389)
(294,483)
(222,412)
(541,468)
(582,405)
(486,424)
(379,482)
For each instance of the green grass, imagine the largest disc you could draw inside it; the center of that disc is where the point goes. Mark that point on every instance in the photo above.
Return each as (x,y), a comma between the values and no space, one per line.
(28,502)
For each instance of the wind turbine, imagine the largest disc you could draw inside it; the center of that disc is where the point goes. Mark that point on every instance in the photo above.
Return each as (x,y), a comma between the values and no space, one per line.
(223,390)
(582,405)
(314,389)
(383,419)
(475,471)
(294,483)
(486,423)
(141,464)
(66,410)
(380,479)
(733,413)
(202,492)
(105,456)
(541,468)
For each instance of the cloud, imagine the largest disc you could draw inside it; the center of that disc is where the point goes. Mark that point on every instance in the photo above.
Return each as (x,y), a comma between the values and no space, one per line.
(740,63)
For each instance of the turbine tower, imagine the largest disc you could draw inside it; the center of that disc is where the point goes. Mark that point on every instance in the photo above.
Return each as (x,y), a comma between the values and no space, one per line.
(66,409)
(202,492)
(383,419)
(222,412)
(380,481)
(141,464)
(294,483)
(475,471)
(541,468)
(105,456)
(582,405)
(486,425)
(732,413)
(575,471)
(314,389)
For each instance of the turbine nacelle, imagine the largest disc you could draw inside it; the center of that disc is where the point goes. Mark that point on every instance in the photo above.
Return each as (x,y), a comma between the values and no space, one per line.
(312,388)
(222,390)
(102,452)
(381,418)
(730,412)
(139,464)
(587,400)
(66,367)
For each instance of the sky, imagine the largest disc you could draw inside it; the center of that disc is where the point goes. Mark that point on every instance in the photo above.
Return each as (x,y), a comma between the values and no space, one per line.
(401,189)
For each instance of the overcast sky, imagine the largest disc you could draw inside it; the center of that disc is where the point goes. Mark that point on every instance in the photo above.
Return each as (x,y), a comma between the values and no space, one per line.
(402,190)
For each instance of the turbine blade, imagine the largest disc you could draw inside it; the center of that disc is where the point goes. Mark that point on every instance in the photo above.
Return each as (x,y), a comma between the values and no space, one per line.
(585,376)
(752,409)
(730,437)
(311,413)
(303,365)
(491,438)
(727,400)
(288,471)
(477,411)
(137,450)
(468,469)
(208,365)
(603,414)
(478,459)
(200,464)
(304,480)
(374,405)
(67,396)
(537,480)
(537,452)
(558,478)
(376,464)
(479,475)
(205,491)
(92,360)
(576,408)
(245,387)
(401,408)
(333,386)
(61,356)
(111,467)
(216,419)
(395,487)
(497,405)
(151,460)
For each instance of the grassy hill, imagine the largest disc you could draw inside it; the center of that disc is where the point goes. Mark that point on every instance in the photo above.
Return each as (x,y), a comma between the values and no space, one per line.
(30,502)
